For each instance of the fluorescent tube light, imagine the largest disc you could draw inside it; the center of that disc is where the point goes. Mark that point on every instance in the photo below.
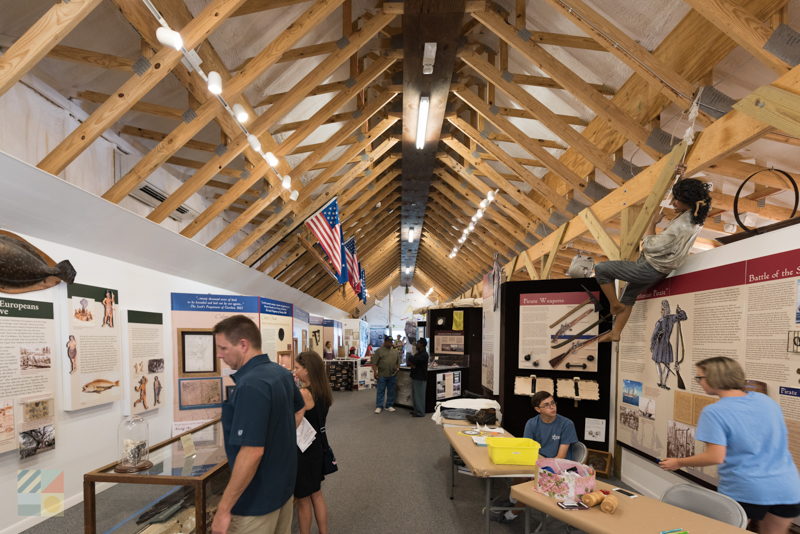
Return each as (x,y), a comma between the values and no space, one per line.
(422,120)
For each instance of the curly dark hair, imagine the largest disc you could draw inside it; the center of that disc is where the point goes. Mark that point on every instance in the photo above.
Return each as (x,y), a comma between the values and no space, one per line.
(694,193)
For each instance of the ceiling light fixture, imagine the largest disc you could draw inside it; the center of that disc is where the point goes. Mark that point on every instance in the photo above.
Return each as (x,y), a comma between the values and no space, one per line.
(272,161)
(428,58)
(429,293)
(255,144)
(490,196)
(484,203)
(410,235)
(169,37)
(293,196)
(286,182)
(214,83)
(240,113)
(408,270)
(422,120)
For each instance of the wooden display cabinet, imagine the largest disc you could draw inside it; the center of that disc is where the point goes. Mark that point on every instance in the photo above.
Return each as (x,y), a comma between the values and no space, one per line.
(172,467)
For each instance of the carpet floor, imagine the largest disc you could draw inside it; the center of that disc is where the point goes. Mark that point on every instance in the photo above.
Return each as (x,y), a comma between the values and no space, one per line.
(393,478)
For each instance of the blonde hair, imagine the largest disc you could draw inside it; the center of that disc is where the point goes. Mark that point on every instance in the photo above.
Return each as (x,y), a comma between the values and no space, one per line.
(722,372)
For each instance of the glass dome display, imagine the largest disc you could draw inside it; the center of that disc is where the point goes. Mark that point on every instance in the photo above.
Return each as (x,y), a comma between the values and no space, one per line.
(132,436)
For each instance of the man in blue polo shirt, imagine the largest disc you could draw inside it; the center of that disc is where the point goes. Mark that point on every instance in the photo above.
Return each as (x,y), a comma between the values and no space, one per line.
(259,421)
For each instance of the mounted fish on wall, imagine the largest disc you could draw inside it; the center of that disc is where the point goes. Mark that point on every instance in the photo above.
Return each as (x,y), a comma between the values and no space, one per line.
(25,268)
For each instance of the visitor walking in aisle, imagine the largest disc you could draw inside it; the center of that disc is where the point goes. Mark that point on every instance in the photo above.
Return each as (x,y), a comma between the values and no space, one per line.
(318,397)
(661,254)
(327,351)
(385,365)
(555,433)
(419,377)
(259,422)
(755,468)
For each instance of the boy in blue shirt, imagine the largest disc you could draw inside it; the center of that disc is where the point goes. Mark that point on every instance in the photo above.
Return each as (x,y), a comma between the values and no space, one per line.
(555,433)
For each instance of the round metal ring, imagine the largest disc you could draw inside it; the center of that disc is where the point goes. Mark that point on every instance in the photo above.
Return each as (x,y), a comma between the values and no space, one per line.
(738,192)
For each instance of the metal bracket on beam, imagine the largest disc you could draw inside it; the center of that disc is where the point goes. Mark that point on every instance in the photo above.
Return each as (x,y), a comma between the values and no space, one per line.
(349,82)
(625,169)
(494,110)
(220,149)
(469,169)
(507,76)
(542,230)
(360,137)
(343,42)
(784,43)
(364,156)
(556,219)
(141,66)
(714,102)
(575,207)
(596,191)
(661,140)
(244,175)
(189,115)
(524,34)
(357,113)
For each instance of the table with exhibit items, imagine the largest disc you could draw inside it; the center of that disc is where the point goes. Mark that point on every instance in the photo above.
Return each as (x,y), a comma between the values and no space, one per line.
(638,514)
(476,462)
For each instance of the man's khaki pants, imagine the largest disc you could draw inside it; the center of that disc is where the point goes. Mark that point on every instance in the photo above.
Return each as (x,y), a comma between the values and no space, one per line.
(277,522)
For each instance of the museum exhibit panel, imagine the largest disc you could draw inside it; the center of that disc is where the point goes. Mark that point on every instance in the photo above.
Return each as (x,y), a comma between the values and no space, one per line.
(470,172)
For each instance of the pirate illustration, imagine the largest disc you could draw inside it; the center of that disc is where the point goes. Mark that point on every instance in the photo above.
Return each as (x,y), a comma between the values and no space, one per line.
(660,344)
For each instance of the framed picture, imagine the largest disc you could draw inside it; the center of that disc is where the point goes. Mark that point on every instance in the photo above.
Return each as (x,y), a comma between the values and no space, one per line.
(197,353)
(600,461)
(197,393)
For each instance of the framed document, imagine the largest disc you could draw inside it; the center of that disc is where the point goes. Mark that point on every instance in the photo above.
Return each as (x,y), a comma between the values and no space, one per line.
(198,353)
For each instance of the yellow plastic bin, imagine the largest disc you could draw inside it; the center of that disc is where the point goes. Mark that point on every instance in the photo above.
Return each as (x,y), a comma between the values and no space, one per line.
(513,451)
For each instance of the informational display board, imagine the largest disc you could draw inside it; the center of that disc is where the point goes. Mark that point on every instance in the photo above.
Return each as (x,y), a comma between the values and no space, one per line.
(300,329)
(93,346)
(200,376)
(490,340)
(28,351)
(749,311)
(316,324)
(574,319)
(276,331)
(147,361)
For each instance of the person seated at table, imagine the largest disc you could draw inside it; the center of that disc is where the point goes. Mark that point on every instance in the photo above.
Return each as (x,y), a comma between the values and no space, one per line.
(755,467)
(554,433)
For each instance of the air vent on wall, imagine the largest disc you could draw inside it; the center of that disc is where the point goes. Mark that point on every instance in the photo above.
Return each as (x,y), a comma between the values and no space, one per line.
(152,196)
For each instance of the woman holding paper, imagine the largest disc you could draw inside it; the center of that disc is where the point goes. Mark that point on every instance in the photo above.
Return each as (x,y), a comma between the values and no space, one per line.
(316,390)
(755,466)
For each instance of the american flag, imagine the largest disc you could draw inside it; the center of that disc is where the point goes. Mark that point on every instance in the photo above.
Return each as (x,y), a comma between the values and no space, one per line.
(326,228)
(363,279)
(353,271)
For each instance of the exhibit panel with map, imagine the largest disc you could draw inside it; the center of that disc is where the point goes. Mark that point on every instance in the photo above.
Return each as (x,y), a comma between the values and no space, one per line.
(201,377)
(746,310)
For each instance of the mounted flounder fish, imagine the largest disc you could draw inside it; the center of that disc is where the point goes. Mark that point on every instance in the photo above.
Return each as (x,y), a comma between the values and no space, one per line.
(99,385)
(24,267)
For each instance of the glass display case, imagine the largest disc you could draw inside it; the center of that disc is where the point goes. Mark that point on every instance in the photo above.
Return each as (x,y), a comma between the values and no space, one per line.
(193,462)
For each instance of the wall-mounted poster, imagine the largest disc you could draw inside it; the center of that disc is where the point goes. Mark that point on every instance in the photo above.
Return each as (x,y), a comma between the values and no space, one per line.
(276,330)
(553,329)
(93,344)
(741,310)
(490,336)
(194,316)
(28,350)
(146,350)
(448,343)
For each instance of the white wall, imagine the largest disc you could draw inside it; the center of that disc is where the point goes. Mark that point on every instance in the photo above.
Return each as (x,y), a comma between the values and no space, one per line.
(642,474)
(402,306)
(110,246)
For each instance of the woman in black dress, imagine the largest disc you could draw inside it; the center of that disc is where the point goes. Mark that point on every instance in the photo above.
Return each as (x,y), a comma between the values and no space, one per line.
(316,390)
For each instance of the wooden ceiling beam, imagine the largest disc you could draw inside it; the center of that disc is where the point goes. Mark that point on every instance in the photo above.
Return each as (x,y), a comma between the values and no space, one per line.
(474,250)
(40,38)
(301,52)
(466,266)
(304,209)
(194,33)
(531,146)
(192,164)
(549,83)
(256,6)
(550,120)
(495,212)
(212,107)
(543,60)
(746,30)
(143,107)
(259,127)
(658,75)
(525,222)
(538,211)
(372,107)
(153,135)
(525,114)
(350,203)
(322,89)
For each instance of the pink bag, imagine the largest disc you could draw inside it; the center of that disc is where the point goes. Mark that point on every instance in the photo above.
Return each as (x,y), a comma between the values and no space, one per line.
(563,485)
